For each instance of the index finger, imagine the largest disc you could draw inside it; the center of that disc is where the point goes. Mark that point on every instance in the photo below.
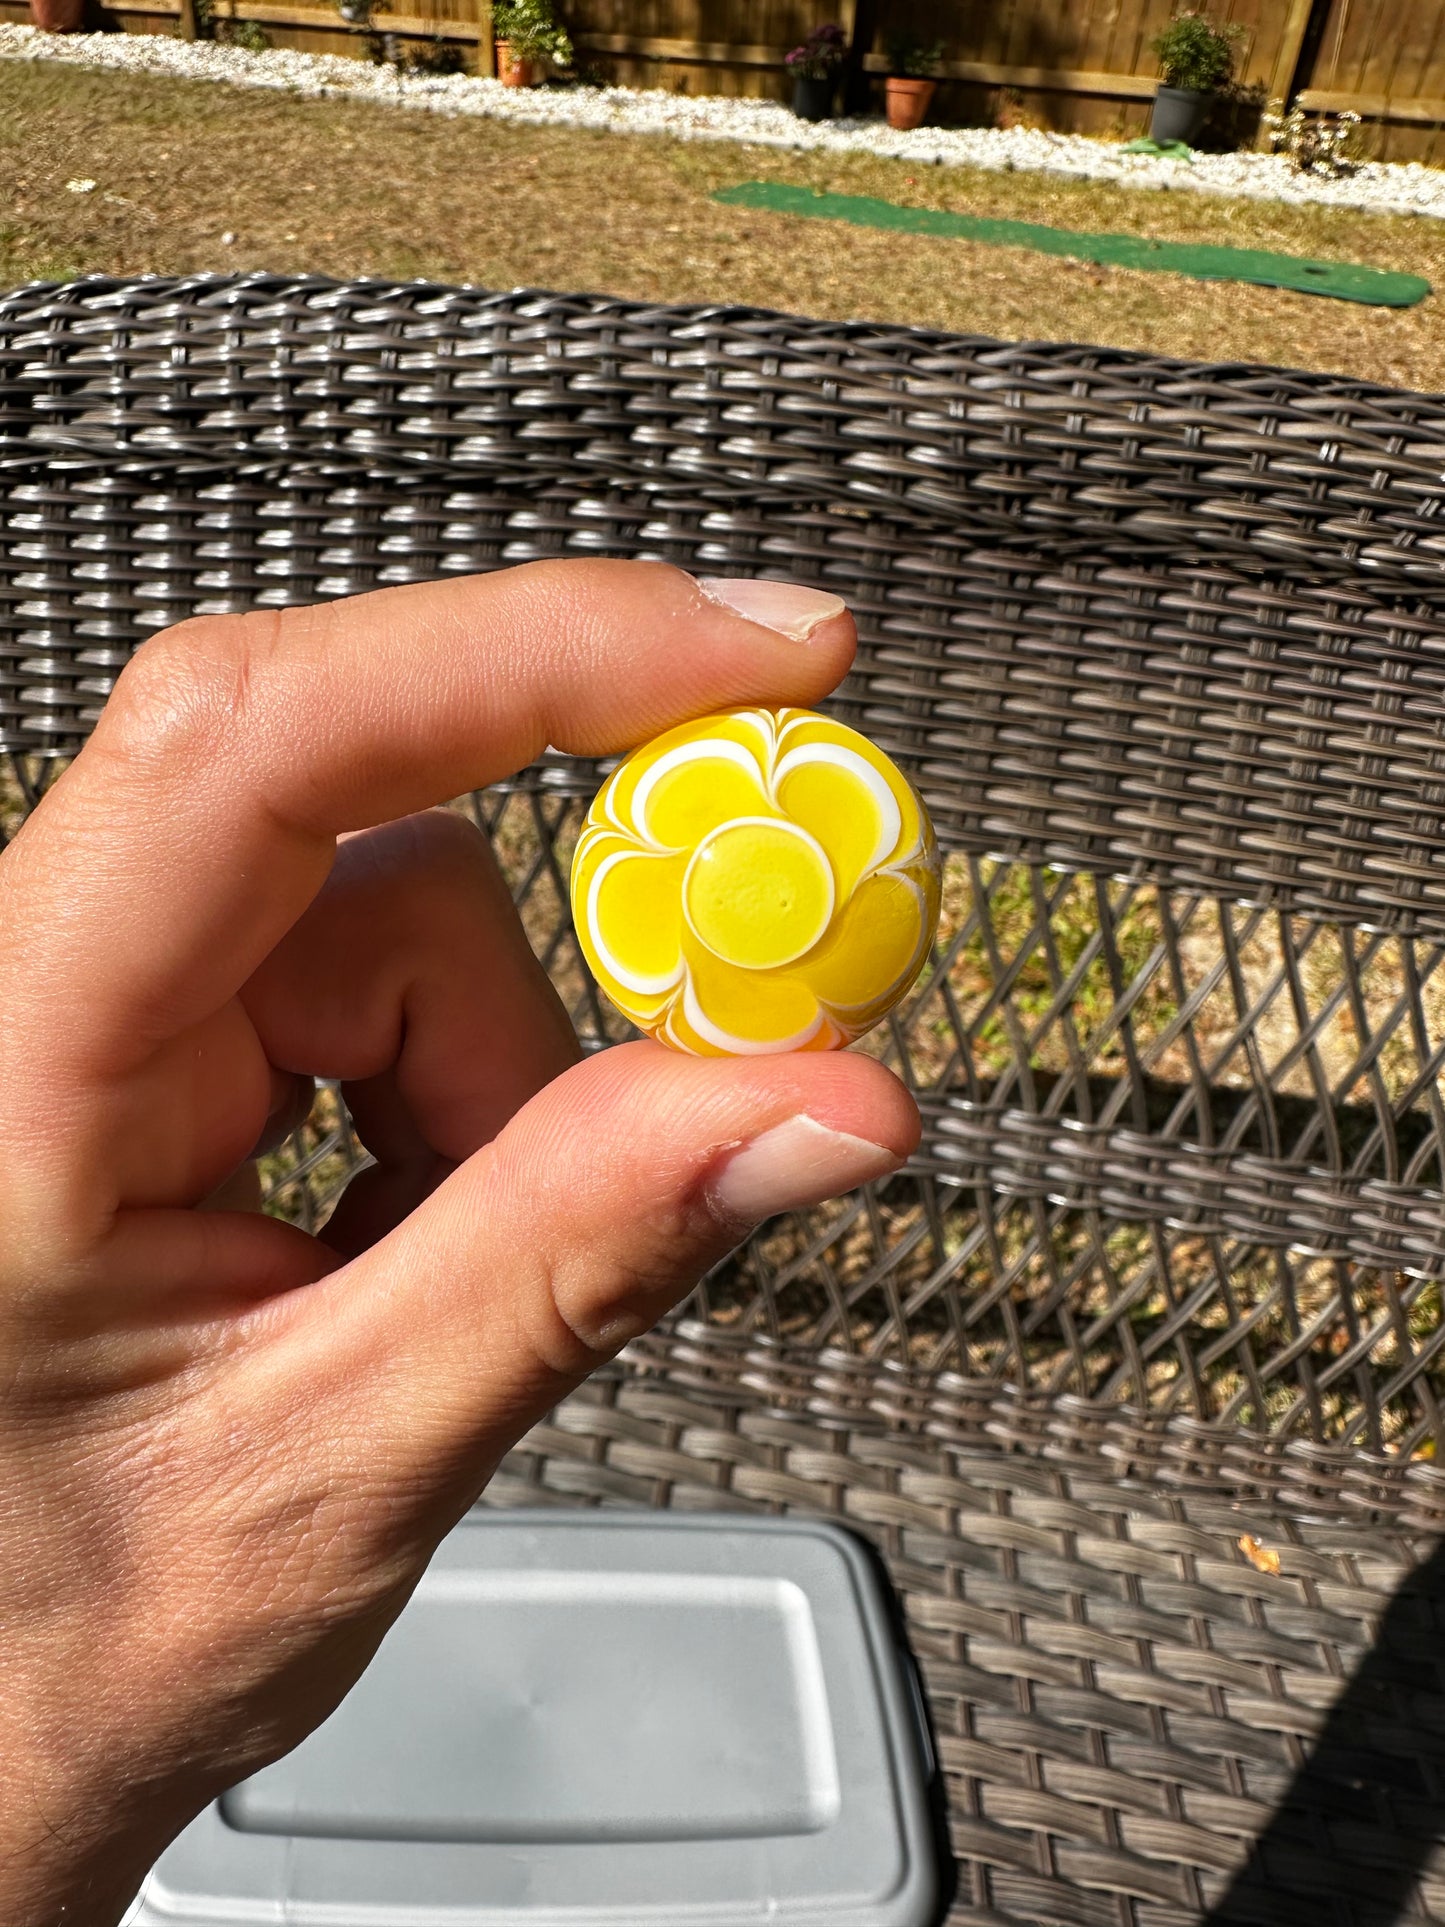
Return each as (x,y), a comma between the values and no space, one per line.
(202,817)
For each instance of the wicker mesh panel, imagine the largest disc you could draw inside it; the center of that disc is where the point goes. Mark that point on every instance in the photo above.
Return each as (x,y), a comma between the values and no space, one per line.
(1118,611)
(1155,640)
(1080,448)
(1177,1154)
(1076,1221)
(1161,644)
(1139,1723)
(1177,718)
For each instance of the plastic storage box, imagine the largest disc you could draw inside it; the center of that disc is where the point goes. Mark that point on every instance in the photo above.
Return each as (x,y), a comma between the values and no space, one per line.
(597,1718)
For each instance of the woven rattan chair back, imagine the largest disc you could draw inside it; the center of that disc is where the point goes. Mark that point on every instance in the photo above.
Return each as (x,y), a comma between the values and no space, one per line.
(1132,1376)
(1162,645)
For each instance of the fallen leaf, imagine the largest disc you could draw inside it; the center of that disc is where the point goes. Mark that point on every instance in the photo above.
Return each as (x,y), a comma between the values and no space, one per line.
(1262,1558)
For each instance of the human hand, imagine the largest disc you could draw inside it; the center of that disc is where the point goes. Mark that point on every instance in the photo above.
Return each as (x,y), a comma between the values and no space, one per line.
(228,1449)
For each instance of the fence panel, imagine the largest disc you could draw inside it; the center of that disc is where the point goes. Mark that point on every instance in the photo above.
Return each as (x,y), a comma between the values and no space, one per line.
(1085,64)
(1388,63)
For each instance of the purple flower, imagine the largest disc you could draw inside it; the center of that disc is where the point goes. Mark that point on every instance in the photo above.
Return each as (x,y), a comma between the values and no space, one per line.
(821,54)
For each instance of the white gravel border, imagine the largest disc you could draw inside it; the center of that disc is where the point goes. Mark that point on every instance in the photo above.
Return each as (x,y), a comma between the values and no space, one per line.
(1380,187)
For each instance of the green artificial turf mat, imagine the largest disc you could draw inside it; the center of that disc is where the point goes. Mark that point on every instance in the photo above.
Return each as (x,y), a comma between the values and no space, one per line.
(1341,280)
(1159,150)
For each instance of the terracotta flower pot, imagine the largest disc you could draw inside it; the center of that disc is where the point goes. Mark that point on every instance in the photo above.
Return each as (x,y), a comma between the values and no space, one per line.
(511,71)
(57,16)
(908,100)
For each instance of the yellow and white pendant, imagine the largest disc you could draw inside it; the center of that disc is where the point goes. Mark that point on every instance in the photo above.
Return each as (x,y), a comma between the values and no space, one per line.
(763,880)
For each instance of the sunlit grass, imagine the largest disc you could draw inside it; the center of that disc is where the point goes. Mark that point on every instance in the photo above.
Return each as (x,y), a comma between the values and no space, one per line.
(355,189)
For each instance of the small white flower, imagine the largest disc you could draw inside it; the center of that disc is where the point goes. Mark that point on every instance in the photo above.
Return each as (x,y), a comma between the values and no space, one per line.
(82,187)
(227,238)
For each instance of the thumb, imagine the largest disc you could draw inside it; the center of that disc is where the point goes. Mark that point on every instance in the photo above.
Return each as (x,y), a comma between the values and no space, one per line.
(594,1212)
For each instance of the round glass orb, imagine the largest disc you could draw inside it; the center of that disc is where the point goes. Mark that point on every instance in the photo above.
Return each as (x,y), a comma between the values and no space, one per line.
(762,880)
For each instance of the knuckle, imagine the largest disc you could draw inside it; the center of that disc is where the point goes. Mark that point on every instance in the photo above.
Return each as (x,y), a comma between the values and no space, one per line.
(430,865)
(448,845)
(186,690)
(590,1311)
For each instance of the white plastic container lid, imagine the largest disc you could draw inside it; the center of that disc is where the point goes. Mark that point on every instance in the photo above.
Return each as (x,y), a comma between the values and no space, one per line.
(588,1718)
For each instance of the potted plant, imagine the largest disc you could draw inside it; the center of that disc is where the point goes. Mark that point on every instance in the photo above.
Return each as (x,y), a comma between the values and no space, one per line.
(1196,59)
(1327,144)
(527,35)
(912,79)
(814,67)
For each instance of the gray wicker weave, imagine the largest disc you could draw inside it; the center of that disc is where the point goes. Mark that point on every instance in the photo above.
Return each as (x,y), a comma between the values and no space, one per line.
(1156,1309)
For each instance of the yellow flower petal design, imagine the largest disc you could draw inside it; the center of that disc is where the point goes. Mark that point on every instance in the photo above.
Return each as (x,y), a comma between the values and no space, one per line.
(845,803)
(803,729)
(695,789)
(635,898)
(875,948)
(757,881)
(689,783)
(740,1014)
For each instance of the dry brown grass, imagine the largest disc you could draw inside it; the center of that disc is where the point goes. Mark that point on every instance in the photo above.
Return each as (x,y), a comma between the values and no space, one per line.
(353,189)
(22,780)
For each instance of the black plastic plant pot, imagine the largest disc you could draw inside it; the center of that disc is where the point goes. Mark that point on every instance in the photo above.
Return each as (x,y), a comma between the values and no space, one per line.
(1179,114)
(812,99)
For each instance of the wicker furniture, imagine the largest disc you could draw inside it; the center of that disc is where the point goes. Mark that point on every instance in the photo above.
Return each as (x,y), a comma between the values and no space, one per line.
(1134,1376)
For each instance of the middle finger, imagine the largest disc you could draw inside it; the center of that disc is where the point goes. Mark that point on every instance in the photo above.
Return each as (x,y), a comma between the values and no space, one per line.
(410,980)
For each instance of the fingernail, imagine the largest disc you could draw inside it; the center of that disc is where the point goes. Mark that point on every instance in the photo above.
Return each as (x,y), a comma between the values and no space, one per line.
(797,1163)
(785,606)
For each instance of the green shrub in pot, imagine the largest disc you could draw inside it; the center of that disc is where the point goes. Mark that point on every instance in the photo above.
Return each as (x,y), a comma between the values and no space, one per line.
(1196,60)
(528,35)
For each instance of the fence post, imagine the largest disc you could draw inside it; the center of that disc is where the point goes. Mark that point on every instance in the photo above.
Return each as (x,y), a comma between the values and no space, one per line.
(189,26)
(859,19)
(1284,81)
(486,59)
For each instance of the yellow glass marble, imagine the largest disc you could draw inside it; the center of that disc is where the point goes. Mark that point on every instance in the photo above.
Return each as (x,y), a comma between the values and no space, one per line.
(763,880)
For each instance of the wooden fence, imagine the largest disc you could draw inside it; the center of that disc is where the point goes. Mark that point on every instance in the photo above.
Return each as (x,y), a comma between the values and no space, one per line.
(1084,64)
